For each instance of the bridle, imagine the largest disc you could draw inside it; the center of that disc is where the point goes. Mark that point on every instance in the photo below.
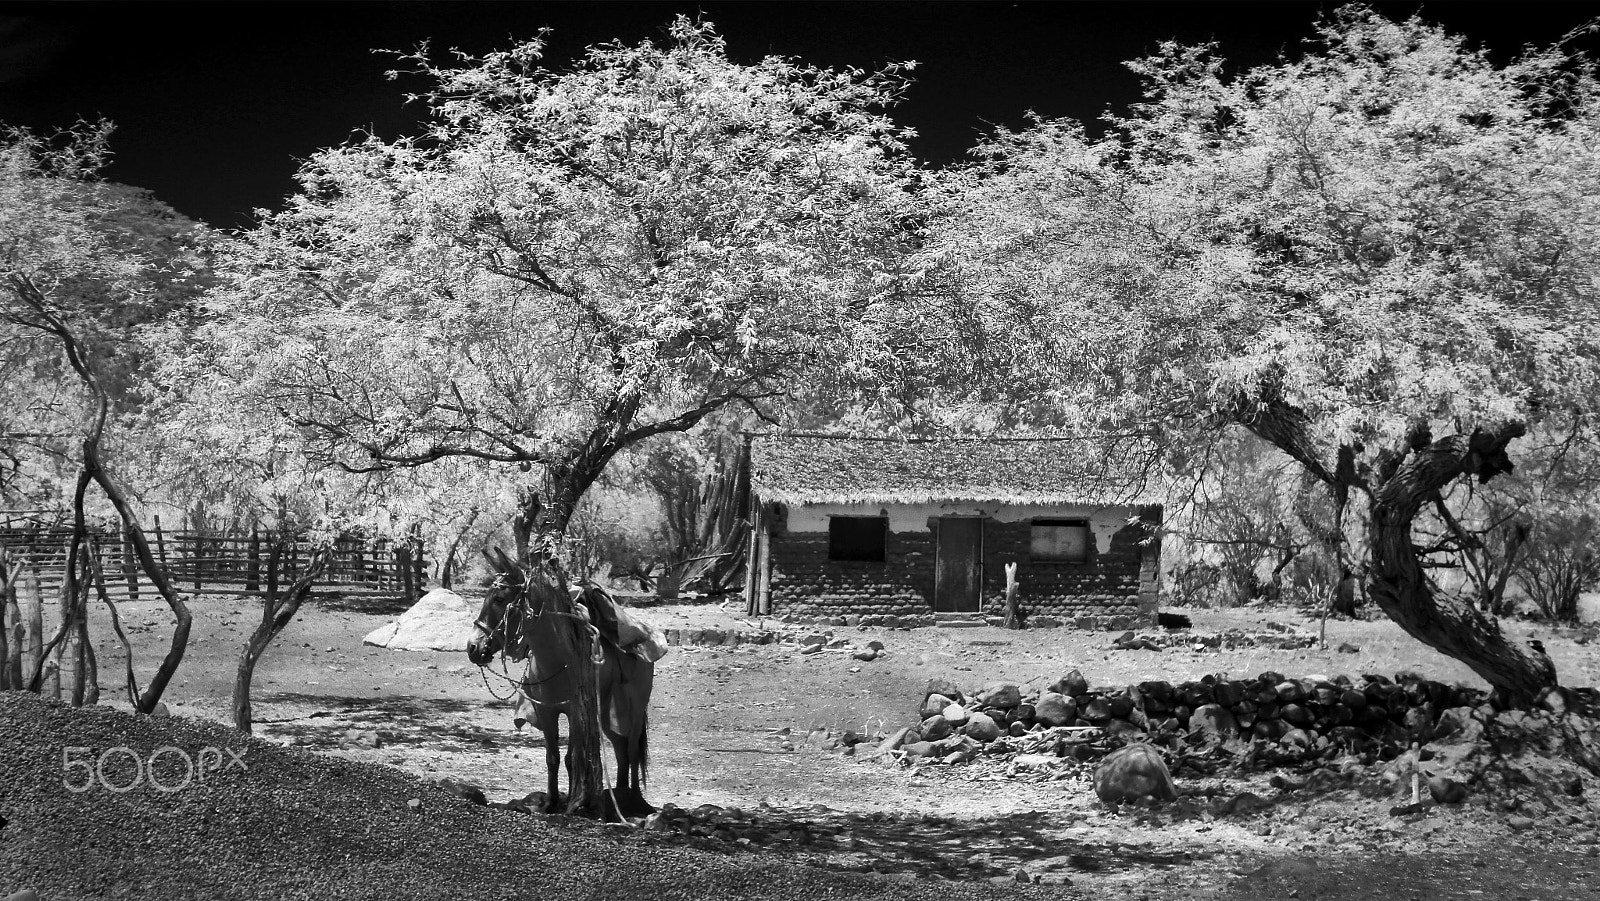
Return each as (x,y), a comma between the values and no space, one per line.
(520,604)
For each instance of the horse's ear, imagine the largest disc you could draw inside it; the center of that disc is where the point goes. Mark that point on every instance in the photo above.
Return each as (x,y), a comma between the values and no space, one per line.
(505,562)
(493,563)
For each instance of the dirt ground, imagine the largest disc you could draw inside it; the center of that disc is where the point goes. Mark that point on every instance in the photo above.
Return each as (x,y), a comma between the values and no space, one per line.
(728,727)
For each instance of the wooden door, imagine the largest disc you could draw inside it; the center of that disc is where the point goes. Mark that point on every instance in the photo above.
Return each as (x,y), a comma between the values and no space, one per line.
(958,569)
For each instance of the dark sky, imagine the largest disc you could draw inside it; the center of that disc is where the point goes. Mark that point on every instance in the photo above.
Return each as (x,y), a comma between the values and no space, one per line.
(216,101)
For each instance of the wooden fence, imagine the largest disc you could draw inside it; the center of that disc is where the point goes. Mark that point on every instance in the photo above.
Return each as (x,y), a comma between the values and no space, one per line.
(211,563)
(33,608)
(68,672)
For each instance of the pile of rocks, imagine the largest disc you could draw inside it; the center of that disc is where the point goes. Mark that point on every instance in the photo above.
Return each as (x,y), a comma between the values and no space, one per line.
(806,642)
(720,637)
(1271,719)
(869,620)
(1229,639)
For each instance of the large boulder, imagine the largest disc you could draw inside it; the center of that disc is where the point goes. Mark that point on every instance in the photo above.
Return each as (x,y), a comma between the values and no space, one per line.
(440,621)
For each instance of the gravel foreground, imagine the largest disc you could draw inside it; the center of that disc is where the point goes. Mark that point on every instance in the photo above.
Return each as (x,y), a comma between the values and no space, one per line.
(284,823)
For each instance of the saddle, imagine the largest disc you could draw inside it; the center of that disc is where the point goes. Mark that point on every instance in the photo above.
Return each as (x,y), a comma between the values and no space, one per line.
(623,629)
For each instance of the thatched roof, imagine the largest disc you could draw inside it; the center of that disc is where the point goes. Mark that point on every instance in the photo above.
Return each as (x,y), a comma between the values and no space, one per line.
(815,469)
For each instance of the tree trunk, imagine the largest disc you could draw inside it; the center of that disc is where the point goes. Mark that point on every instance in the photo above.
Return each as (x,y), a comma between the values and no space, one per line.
(1402,590)
(277,611)
(18,635)
(544,521)
(1344,595)
(131,683)
(1397,584)
(447,570)
(6,618)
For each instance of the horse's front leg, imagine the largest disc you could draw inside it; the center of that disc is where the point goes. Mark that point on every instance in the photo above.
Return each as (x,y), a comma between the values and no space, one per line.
(550,725)
(569,757)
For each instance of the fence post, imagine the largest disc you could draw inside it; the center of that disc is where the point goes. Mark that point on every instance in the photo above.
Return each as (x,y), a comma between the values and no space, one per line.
(765,585)
(18,633)
(33,598)
(358,553)
(402,565)
(161,541)
(130,564)
(6,577)
(253,575)
(69,654)
(418,562)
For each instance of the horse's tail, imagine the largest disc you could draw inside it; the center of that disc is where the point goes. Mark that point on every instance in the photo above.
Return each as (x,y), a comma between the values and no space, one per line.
(641,760)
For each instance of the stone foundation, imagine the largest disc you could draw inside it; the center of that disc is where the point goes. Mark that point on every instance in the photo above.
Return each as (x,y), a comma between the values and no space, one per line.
(1114,589)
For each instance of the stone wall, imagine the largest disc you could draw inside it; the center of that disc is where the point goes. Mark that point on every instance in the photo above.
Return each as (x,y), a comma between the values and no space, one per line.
(1104,591)
(1114,588)
(805,583)
(1271,719)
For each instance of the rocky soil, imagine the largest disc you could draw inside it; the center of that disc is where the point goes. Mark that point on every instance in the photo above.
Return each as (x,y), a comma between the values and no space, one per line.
(286,823)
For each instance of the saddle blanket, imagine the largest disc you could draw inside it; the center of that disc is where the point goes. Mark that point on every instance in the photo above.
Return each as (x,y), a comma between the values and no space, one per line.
(639,638)
(623,628)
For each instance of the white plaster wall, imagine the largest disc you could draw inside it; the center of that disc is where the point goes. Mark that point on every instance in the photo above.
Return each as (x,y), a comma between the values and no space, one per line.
(1104,522)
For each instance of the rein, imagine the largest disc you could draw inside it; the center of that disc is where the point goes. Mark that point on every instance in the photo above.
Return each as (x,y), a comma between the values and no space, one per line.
(483,672)
(520,686)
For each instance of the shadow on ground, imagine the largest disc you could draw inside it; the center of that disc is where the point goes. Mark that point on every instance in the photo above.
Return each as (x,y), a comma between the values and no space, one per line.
(1043,845)
(442,724)
(1501,871)
(366,604)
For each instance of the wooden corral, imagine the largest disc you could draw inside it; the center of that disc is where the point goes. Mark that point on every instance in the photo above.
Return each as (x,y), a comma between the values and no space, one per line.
(213,563)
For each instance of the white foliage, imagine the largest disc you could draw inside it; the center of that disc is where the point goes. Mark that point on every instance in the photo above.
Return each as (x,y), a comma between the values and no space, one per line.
(1388,230)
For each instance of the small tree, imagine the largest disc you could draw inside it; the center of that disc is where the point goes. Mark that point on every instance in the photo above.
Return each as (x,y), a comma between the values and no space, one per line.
(1248,523)
(248,470)
(702,528)
(1562,562)
(83,264)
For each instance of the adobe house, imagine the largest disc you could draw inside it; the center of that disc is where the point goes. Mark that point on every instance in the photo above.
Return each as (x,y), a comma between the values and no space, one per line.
(907,532)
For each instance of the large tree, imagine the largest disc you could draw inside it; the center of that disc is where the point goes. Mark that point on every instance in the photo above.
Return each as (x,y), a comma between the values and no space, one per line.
(567,264)
(1380,257)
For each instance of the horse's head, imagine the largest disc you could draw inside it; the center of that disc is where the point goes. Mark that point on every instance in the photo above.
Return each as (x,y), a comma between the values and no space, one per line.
(499,624)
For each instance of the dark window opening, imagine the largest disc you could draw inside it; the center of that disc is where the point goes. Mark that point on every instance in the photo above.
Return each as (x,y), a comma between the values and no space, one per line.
(1064,540)
(858,538)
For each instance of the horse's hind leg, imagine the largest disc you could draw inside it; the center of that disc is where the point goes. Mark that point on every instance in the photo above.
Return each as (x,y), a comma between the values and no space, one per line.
(625,705)
(619,741)
(619,748)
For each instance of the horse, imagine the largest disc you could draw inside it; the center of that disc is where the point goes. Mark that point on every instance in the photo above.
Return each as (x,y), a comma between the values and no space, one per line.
(623,680)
